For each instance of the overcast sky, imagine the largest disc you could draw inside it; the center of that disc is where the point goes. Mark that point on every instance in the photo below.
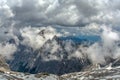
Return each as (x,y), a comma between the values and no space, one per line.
(69,17)
(90,15)
(60,12)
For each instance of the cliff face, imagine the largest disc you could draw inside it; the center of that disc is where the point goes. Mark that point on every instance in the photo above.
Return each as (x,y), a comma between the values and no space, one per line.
(56,56)
(3,63)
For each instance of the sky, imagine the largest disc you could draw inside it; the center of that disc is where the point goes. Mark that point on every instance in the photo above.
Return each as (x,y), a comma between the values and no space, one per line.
(69,16)
(61,17)
(64,13)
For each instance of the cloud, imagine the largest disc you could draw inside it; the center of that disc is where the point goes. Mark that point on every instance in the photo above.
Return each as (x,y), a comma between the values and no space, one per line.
(5,10)
(69,17)
(87,14)
(5,14)
(61,12)
(36,37)
(7,50)
(108,47)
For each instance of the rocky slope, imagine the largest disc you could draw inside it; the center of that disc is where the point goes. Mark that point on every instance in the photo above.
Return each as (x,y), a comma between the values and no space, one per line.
(93,73)
(53,57)
(3,63)
(47,52)
(51,53)
(46,56)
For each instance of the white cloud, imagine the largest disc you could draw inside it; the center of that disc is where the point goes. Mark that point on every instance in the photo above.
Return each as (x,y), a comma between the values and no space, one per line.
(5,10)
(108,47)
(7,50)
(89,15)
(62,12)
(36,37)
(59,12)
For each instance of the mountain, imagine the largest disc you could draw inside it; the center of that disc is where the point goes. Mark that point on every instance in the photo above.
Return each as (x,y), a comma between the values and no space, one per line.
(56,56)
(45,66)
(47,56)
(92,72)
(46,52)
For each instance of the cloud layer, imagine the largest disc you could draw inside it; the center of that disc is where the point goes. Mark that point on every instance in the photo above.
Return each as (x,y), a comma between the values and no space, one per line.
(60,12)
(107,48)
(74,17)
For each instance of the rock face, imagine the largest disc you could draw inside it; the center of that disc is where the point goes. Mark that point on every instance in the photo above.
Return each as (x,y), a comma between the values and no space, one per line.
(55,56)
(55,61)
(3,64)
(94,73)
(44,50)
